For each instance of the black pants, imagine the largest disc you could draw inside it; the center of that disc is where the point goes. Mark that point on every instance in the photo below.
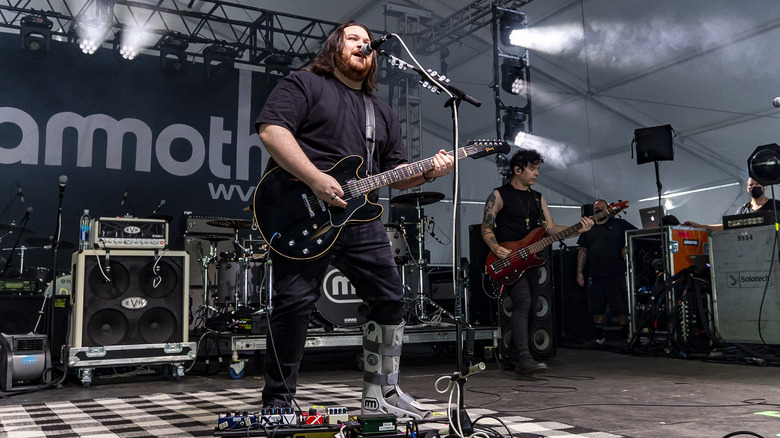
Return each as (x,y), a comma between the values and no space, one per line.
(525,295)
(607,290)
(362,253)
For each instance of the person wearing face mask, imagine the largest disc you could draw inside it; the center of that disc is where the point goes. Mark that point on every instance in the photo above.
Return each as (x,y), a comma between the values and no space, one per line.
(601,269)
(759,201)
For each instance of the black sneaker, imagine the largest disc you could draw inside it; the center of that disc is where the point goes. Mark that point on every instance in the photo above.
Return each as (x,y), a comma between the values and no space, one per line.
(527,365)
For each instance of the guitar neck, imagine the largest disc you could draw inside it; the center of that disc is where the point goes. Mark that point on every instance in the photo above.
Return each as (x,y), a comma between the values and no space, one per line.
(388,177)
(568,232)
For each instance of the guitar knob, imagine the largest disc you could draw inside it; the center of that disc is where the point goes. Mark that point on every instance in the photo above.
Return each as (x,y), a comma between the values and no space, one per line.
(305,233)
(291,243)
(306,251)
(319,241)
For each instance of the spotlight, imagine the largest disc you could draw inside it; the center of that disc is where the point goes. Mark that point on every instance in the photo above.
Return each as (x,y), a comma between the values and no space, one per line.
(512,78)
(514,125)
(277,66)
(510,21)
(127,43)
(764,164)
(36,33)
(88,35)
(173,55)
(218,61)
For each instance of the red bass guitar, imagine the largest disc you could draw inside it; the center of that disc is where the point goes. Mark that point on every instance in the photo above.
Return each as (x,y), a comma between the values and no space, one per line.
(508,270)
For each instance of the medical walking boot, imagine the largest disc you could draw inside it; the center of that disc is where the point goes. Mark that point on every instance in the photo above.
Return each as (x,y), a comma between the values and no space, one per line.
(381,358)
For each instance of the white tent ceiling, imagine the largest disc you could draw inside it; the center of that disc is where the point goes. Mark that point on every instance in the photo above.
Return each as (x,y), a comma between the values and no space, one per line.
(600,69)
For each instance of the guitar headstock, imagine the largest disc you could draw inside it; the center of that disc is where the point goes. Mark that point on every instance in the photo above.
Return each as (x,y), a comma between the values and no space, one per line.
(485,147)
(617,207)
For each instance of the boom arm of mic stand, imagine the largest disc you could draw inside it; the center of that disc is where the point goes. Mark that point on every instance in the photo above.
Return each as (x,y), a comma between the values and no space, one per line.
(455,91)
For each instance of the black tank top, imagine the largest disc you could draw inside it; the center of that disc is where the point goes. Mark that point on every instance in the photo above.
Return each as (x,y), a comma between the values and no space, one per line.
(519,205)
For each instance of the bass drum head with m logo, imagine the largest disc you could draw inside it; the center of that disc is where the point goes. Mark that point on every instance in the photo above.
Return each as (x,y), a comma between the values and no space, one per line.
(339,304)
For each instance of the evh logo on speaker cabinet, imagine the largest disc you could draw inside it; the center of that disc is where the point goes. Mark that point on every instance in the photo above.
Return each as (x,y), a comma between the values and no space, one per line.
(134,303)
(132,298)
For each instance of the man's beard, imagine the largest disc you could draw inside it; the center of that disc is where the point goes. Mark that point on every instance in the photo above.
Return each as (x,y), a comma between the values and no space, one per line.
(352,70)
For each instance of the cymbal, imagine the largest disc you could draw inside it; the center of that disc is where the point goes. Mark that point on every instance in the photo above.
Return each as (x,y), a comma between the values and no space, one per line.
(14,228)
(231,223)
(213,237)
(411,199)
(47,241)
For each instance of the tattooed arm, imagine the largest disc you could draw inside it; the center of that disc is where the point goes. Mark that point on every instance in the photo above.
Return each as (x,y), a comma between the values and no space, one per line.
(493,205)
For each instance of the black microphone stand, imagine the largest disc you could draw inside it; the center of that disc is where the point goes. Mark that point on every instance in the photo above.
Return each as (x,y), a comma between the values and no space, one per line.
(49,325)
(21,226)
(462,318)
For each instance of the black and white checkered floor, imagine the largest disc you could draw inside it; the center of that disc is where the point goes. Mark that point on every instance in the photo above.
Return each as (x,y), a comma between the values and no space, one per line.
(195,414)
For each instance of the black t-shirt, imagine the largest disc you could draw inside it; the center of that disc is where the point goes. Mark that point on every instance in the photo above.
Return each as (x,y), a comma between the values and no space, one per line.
(519,205)
(604,244)
(328,119)
(768,206)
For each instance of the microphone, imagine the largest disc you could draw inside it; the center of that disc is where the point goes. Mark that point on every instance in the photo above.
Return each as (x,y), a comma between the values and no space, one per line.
(401,222)
(474,369)
(162,202)
(63,181)
(776,102)
(369,48)
(124,198)
(27,213)
(21,195)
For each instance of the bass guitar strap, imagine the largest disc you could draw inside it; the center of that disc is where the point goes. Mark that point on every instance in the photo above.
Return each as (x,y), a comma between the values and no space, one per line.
(370,130)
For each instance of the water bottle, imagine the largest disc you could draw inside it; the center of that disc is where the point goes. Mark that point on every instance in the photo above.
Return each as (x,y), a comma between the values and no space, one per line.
(84,231)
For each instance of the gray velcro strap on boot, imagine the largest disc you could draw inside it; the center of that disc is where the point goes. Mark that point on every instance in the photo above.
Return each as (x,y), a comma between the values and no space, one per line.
(383,349)
(405,402)
(380,379)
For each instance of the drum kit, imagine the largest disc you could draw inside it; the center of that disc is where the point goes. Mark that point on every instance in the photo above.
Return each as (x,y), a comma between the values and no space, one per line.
(414,290)
(243,275)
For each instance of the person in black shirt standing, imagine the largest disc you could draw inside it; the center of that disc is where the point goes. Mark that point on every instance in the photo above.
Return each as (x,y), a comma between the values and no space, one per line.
(512,211)
(310,122)
(602,257)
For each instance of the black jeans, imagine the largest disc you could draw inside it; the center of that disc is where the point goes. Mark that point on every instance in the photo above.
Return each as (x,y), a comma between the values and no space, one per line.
(363,254)
(525,295)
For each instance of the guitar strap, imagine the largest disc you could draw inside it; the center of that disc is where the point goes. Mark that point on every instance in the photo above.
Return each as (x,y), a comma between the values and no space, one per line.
(370,130)
(538,199)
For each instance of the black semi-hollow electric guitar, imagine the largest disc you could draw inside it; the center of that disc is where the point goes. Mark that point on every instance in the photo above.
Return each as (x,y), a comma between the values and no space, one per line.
(298,225)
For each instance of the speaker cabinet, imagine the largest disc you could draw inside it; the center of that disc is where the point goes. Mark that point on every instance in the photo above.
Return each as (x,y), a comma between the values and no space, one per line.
(482,306)
(129,297)
(541,333)
(574,326)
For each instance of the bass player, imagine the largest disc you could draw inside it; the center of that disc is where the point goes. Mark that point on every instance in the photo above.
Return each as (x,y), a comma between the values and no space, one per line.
(512,211)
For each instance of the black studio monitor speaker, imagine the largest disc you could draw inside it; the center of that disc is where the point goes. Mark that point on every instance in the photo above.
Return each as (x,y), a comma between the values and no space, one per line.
(129,297)
(654,144)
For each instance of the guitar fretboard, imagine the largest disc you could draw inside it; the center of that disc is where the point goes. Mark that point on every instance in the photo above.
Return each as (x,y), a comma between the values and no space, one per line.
(568,232)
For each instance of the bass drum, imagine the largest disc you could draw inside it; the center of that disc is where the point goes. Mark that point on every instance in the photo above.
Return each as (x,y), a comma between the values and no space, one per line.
(339,304)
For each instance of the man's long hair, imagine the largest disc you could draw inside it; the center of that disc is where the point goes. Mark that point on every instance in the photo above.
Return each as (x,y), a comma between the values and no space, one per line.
(330,55)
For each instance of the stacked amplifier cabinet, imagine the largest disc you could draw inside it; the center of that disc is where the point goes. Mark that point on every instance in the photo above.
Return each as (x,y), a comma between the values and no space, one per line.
(129,307)
(746,284)
(654,254)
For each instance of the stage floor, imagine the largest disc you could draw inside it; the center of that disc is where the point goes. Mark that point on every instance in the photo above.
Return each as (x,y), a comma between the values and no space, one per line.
(591,393)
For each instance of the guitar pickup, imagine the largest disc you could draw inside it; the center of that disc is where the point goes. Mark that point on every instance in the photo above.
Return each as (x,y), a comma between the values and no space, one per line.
(306,202)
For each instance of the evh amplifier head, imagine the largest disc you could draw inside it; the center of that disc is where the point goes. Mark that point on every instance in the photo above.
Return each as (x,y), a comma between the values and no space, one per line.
(128,233)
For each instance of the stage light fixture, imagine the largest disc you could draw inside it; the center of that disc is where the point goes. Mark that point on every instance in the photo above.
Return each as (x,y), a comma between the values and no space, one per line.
(512,77)
(173,55)
(277,66)
(764,164)
(35,33)
(509,22)
(127,43)
(514,125)
(88,35)
(218,61)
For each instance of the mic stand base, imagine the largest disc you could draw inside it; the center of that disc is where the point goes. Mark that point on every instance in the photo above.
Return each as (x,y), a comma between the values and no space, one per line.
(457,414)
